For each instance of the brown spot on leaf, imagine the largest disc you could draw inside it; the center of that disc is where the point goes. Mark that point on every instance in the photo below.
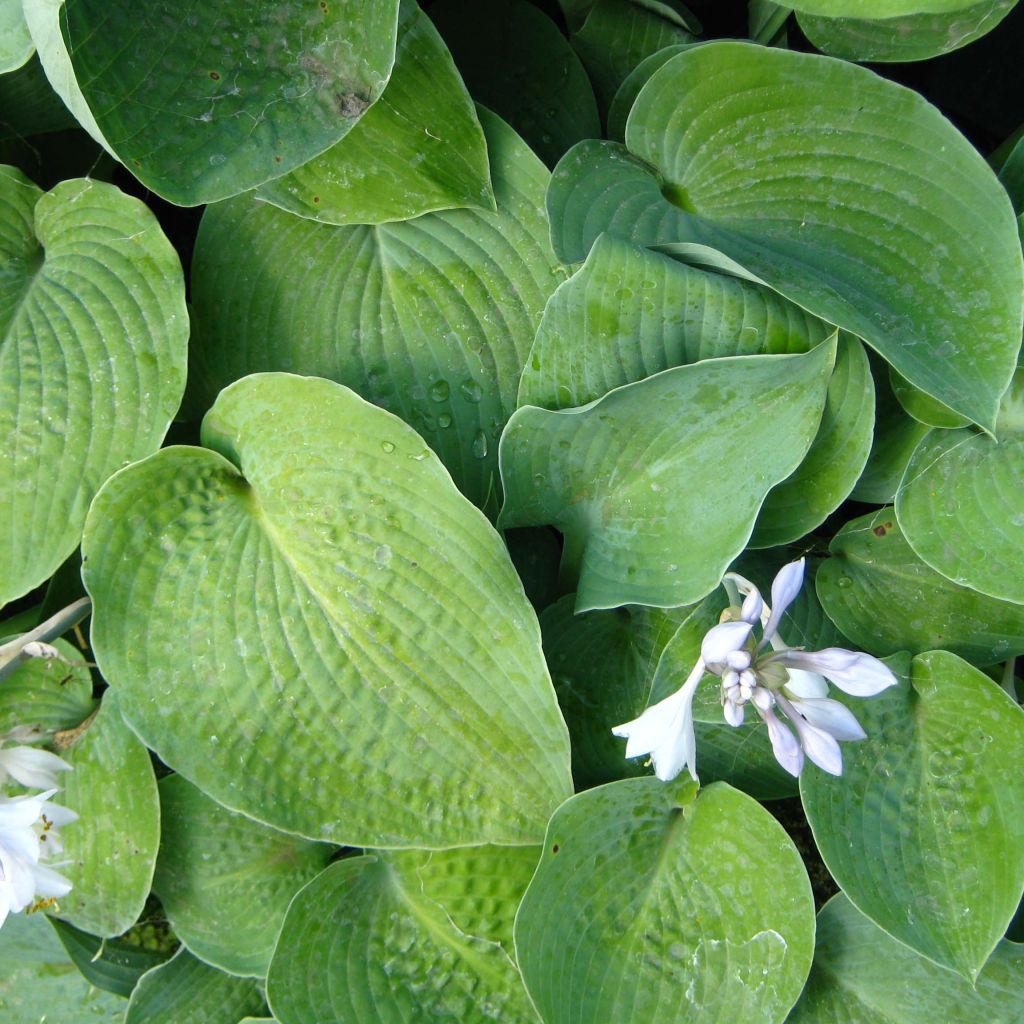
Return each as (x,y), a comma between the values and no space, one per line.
(215,76)
(555,848)
(316,199)
(350,104)
(879,531)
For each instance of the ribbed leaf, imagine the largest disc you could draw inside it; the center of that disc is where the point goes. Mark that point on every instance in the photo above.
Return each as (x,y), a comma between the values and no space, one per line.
(643,909)
(205,100)
(359,662)
(430,318)
(112,847)
(225,881)
(47,693)
(923,830)
(418,148)
(92,358)
(635,480)
(408,938)
(885,599)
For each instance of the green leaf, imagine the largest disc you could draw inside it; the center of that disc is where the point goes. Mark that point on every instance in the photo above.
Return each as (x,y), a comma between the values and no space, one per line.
(908,37)
(28,106)
(876,8)
(38,981)
(186,989)
(208,101)
(923,407)
(885,599)
(720,145)
(516,62)
(961,509)
(835,460)
(356,633)
(617,36)
(628,313)
(110,964)
(112,847)
(92,358)
(638,490)
(225,881)
(403,938)
(47,693)
(431,318)
(923,830)
(16,45)
(602,664)
(418,148)
(896,436)
(649,904)
(862,976)
(626,94)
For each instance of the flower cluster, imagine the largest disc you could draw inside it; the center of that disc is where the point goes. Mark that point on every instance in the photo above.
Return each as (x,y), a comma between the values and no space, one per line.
(29,826)
(772,678)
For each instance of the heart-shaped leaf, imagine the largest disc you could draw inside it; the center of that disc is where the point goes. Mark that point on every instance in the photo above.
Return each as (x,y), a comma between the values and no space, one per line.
(629,313)
(635,481)
(516,62)
(408,937)
(885,599)
(907,37)
(210,101)
(359,662)
(961,508)
(742,146)
(418,148)
(649,904)
(92,358)
(430,318)
(111,849)
(924,828)
(225,881)
(863,976)
(186,989)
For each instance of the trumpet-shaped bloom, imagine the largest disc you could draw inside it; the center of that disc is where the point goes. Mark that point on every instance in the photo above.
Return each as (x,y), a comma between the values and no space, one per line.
(770,676)
(30,766)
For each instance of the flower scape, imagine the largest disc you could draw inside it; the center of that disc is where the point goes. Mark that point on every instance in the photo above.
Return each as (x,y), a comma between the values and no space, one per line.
(512,512)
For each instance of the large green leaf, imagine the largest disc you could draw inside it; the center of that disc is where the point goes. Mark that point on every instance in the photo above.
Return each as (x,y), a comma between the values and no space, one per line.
(430,318)
(39,983)
(651,902)
(618,34)
(185,989)
(225,881)
(205,100)
(923,830)
(358,662)
(418,148)
(742,148)
(862,976)
(885,599)
(408,938)
(92,358)
(876,8)
(112,847)
(626,94)
(961,508)
(15,40)
(907,37)
(628,313)
(47,693)
(635,481)
(516,62)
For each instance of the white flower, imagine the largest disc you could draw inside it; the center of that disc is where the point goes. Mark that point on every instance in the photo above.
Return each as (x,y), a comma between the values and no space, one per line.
(29,766)
(783,678)
(28,836)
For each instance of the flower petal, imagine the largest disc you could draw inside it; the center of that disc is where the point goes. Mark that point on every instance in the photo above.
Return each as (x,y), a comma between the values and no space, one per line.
(818,745)
(720,641)
(665,731)
(32,767)
(49,882)
(807,685)
(733,713)
(785,747)
(785,587)
(832,717)
(858,674)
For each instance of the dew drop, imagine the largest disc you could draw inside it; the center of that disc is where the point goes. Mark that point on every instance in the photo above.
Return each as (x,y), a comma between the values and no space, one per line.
(387,447)
(444,422)
(439,391)
(844,582)
(480,445)
(471,391)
